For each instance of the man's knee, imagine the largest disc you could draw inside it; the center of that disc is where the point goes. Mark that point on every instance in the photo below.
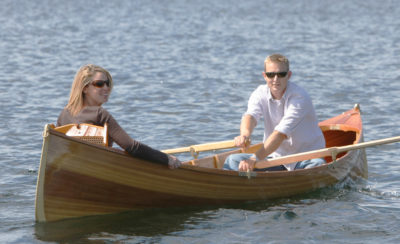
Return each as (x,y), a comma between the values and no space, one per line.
(232,161)
(306,164)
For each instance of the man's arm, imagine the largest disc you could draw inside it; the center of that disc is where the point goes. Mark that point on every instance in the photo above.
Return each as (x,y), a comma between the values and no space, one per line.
(246,128)
(270,145)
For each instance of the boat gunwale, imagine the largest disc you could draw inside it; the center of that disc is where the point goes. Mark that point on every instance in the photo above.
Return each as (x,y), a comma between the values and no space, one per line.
(215,171)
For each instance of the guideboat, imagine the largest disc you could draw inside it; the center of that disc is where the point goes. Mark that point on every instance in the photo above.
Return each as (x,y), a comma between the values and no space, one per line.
(81,176)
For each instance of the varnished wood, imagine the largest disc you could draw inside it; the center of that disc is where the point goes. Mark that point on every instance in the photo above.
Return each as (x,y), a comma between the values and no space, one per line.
(332,151)
(77,178)
(87,132)
(202,147)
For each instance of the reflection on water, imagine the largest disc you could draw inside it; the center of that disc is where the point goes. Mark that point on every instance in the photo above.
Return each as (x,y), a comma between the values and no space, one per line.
(141,223)
(146,224)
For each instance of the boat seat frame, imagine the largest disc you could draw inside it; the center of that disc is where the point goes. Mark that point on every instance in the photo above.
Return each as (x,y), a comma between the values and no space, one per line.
(86,132)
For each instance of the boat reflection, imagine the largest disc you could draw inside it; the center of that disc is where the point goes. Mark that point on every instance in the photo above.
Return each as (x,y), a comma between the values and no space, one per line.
(136,223)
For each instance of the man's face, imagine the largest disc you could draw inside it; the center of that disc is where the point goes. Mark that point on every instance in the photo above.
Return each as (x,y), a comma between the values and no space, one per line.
(276,78)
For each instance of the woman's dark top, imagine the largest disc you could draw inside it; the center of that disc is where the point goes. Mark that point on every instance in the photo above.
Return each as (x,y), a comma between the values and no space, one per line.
(99,116)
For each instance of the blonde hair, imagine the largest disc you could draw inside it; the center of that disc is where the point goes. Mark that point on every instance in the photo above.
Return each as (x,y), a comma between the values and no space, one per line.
(83,78)
(276,58)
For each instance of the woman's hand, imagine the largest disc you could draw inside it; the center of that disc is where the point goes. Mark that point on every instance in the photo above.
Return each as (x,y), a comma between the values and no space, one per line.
(173,162)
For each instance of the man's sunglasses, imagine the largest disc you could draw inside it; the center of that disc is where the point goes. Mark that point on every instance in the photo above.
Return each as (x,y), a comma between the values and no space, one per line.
(273,74)
(100,83)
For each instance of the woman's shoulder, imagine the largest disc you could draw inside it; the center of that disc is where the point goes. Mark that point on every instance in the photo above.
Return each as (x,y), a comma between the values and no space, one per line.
(91,114)
(64,112)
(65,117)
(98,113)
(94,110)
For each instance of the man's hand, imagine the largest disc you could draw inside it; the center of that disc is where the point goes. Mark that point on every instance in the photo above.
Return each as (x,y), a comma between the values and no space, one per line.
(247,165)
(242,141)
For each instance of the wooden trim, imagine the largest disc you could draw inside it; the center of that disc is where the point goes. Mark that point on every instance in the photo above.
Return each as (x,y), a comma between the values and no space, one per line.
(39,201)
(202,147)
(87,132)
(332,151)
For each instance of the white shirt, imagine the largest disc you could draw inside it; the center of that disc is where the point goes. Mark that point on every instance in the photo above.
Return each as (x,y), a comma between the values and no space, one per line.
(292,115)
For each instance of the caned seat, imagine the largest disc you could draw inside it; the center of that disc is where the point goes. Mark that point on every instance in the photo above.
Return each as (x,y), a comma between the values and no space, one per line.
(86,132)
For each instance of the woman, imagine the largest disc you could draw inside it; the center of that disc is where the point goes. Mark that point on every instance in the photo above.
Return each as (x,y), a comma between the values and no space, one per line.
(91,88)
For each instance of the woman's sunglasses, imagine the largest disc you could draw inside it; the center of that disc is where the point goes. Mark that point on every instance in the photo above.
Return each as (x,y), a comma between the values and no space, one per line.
(100,83)
(273,74)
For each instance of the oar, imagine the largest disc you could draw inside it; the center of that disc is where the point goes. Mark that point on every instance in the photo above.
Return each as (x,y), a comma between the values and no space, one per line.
(202,147)
(332,151)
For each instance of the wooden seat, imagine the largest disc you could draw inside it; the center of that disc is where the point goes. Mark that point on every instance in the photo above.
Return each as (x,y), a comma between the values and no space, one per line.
(86,132)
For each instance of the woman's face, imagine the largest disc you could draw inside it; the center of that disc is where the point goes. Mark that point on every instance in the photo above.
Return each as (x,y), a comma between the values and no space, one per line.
(97,92)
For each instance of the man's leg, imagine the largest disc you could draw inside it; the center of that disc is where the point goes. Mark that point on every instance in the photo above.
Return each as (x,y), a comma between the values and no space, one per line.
(232,162)
(306,164)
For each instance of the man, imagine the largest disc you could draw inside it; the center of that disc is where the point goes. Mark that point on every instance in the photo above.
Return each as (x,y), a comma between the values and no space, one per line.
(290,123)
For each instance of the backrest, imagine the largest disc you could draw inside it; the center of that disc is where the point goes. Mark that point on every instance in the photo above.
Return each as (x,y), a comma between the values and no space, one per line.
(87,132)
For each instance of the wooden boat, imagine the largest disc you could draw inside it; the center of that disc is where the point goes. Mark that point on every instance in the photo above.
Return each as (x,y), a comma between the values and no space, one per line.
(79,178)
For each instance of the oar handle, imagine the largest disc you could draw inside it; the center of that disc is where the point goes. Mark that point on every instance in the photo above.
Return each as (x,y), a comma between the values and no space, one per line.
(332,151)
(202,147)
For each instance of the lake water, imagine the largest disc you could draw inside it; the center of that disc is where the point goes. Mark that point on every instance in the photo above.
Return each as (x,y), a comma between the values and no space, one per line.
(183,71)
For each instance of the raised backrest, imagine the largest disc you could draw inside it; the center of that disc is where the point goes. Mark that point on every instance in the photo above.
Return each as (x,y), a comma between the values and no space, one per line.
(86,132)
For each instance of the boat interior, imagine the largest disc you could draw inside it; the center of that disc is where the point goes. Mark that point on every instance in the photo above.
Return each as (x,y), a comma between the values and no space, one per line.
(335,136)
(342,136)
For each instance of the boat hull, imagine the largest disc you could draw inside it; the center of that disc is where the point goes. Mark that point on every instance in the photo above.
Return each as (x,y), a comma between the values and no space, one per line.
(77,179)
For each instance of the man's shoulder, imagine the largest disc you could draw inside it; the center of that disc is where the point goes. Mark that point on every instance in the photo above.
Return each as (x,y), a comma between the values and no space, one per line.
(295,89)
(261,92)
(261,89)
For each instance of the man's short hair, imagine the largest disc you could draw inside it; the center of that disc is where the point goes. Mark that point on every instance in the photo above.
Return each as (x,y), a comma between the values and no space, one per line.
(276,58)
